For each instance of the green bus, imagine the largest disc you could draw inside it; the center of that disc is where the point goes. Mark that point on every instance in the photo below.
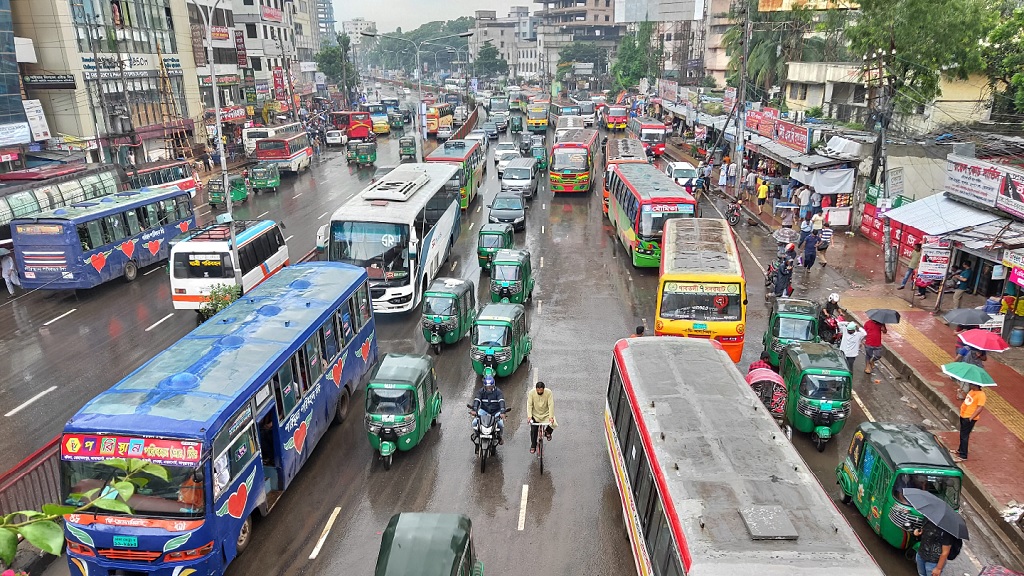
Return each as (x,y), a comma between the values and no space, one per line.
(470,158)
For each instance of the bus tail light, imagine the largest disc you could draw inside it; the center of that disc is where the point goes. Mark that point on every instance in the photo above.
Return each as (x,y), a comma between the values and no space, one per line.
(179,290)
(80,549)
(184,555)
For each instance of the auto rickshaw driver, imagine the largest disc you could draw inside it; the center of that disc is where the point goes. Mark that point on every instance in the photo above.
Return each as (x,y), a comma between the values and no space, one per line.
(490,399)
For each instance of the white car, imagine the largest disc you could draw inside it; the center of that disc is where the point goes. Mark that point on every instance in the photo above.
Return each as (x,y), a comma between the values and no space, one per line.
(504,147)
(503,157)
(377,85)
(479,136)
(444,133)
(683,173)
(407,91)
(336,138)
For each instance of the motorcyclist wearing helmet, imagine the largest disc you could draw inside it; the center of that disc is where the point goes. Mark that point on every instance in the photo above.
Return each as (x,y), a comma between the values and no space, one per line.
(832,306)
(490,399)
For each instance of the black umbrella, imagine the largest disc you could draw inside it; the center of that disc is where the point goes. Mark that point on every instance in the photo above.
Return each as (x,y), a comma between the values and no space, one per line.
(884,316)
(966,317)
(937,512)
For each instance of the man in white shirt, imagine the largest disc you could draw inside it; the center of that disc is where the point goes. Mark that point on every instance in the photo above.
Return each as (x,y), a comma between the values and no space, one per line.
(805,201)
(751,181)
(850,345)
(731,173)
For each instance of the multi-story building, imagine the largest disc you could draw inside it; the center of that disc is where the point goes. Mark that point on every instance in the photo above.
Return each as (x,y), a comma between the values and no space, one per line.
(270,45)
(509,35)
(355,26)
(307,44)
(716,24)
(109,57)
(225,64)
(566,21)
(527,63)
(325,22)
(13,124)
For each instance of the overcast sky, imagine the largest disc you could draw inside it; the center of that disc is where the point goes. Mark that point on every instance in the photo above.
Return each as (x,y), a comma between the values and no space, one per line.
(409,14)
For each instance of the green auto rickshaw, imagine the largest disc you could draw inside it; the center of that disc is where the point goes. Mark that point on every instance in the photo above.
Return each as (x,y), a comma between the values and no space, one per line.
(402,403)
(238,185)
(490,239)
(540,153)
(818,389)
(449,308)
(500,340)
(265,176)
(366,153)
(515,124)
(426,544)
(791,320)
(511,276)
(406,147)
(396,121)
(882,460)
(352,151)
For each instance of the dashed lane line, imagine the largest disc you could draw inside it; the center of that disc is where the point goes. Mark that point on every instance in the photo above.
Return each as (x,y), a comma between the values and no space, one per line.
(37,397)
(59,317)
(522,507)
(158,322)
(326,531)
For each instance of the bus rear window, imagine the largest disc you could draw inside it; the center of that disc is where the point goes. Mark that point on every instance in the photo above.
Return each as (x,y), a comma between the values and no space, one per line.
(189,265)
(267,145)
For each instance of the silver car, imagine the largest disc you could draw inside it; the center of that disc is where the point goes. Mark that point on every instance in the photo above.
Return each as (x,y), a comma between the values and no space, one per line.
(503,157)
(520,177)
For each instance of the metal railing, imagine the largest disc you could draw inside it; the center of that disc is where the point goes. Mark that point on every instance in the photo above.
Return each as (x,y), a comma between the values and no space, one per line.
(32,482)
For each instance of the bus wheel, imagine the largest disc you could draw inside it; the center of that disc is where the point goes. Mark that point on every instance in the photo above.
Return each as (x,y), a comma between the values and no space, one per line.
(344,402)
(244,536)
(131,271)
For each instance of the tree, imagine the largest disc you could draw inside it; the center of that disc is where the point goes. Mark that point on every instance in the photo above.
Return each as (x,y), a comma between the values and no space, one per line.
(335,63)
(582,52)
(489,62)
(42,528)
(391,53)
(1004,63)
(637,58)
(220,297)
(928,39)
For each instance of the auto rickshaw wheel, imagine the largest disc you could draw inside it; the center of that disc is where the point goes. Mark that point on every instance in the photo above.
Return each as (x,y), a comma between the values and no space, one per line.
(387,461)
(843,496)
(819,443)
(244,535)
(437,349)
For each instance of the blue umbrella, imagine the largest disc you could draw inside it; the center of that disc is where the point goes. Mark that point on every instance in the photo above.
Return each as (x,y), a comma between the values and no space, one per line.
(783,205)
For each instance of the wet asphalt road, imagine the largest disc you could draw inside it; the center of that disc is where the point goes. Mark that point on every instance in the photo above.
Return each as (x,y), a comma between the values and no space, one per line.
(587,296)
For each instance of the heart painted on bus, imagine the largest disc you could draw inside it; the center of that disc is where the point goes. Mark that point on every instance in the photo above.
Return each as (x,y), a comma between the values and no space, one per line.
(128,247)
(364,350)
(234,506)
(153,246)
(98,261)
(300,437)
(336,371)
(183,226)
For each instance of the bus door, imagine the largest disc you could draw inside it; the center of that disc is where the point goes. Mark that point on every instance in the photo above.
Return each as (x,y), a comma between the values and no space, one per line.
(269,439)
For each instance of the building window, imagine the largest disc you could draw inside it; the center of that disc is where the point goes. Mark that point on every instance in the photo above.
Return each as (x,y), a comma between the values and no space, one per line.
(250,30)
(137,27)
(606,18)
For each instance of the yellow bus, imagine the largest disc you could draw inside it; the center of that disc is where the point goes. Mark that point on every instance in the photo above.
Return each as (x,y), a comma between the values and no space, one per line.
(702,292)
(537,117)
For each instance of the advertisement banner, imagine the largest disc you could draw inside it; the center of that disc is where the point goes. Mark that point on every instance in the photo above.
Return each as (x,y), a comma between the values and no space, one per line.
(790,5)
(668,89)
(973,179)
(752,119)
(222,80)
(220,33)
(243,56)
(96,447)
(271,14)
(307,66)
(792,136)
(36,120)
(1011,195)
(279,91)
(249,84)
(49,81)
(1014,260)
(766,127)
(700,133)
(198,49)
(729,100)
(16,133)
(934,258)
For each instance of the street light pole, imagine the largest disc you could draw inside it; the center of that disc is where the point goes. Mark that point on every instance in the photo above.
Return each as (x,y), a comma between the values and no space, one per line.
(220,138)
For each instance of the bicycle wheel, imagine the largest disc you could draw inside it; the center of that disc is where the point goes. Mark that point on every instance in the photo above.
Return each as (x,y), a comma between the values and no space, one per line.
(540,451)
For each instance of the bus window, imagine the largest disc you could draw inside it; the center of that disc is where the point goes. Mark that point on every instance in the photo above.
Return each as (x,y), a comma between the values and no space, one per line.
(286,391)
(276,240)
(151,215)
(183,207)
(329,340)
(132,216)
(362,306)
(113,228)
(344,318)
(90,235)
(247,258)
(234,460)
(314,359)
(262,246)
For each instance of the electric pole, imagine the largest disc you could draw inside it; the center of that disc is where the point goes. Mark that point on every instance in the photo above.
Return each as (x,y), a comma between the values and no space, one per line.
(879,85)
(741,104)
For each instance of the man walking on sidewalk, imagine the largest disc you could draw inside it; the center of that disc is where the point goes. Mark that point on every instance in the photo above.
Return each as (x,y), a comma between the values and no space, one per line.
(824,242)
(850,344)
(963,279)
(873,343)
(749,186)
(970,411)
(915,261)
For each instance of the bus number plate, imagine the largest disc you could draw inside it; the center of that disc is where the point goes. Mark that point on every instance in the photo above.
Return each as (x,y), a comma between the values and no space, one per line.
(700,326)
(126,541)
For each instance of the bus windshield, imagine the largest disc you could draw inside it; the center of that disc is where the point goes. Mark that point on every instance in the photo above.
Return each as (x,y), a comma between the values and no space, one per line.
(825,387)
(180,496)
(487,335)
(381,248)
(587,107)
(376,109)
(499,105)
(438,306)
(648,135)
(701,301)
(389,401)
(572,160)
(536,114)
(652,223)
(616,111)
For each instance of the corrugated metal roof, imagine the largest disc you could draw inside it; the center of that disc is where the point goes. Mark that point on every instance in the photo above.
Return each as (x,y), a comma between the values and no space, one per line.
(1001,233)
(937,214)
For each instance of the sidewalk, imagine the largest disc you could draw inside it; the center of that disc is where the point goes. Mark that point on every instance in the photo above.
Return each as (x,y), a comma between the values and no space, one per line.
(917,347)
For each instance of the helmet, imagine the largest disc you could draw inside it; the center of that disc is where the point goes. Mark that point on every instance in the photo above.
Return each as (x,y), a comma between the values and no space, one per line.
(790,247)
(851,326)
(834,298)
(488,381)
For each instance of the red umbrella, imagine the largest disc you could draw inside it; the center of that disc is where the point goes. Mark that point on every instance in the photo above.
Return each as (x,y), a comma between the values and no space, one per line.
(983,340)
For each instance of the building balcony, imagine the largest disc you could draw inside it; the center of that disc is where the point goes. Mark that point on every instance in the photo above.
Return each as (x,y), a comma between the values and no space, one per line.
(823,72)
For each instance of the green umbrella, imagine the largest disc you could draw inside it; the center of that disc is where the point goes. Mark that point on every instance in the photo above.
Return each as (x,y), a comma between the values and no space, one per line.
(968,373)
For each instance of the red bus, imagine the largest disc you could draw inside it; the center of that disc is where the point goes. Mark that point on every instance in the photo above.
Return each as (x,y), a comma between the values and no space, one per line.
(615,117)
(291,153)
(356,125)
(649,131)
(165,175)
(571,167)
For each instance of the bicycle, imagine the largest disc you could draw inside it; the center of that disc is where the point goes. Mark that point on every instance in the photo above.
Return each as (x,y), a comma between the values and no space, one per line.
(540,442)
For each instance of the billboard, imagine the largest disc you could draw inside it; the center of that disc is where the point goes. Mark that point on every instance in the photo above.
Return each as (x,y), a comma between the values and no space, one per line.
(788,5)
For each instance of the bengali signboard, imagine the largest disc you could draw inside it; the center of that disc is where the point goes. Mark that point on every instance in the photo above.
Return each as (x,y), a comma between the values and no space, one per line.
(98,447)
(973,179)
(49,81)
(271,14)
(792,136)
(198,49)
(729,100)
(279,91)
(36,120)
(220,33)
(790,5)
(934,258)
(752,119)
(1014,260)
(243,55)
(249,83)
(766,127)
(1011,195)
(700,132)
(668,89)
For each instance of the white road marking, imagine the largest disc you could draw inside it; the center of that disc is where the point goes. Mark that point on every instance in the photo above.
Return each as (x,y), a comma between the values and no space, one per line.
(749,251)
(323,535)
(535,376)
(297,195)
(289,238)
(522,507)
(59,317)
(153,270)
(37,397)
(540,304)
(454,265)
(201,214)
(321,217)
(863,407)
(478,208)
(542,229)
(157,323)
(471,224)
(541,261)
(264,214)
(543,206)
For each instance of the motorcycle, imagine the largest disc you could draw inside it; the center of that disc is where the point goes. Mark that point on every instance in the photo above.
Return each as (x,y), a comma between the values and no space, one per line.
(833,323)
(732,213)
(485,436)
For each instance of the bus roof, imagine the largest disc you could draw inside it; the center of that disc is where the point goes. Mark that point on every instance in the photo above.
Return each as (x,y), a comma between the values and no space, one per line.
(453,151)
(159,164)
(621,149)
(45,172)
(702,245)
(245,230)
(192,387)
(104,206)
(651,183)
(645,120)
(576,136)
(738,496)
(392,199)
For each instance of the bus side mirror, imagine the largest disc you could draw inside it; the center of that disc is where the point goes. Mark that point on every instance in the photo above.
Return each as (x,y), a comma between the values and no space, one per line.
(321,239)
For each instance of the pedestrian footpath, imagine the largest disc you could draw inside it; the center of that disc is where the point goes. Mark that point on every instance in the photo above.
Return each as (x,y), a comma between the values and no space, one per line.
(917,347)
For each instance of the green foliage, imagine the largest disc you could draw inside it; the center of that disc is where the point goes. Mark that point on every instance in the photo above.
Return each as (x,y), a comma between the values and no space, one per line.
(637,58)
(42,529)
(815,112)
(396,54)
(929,37)
(489,62)
(221,296)
(335,63)
(1004,63)
(582,52)
(708,82)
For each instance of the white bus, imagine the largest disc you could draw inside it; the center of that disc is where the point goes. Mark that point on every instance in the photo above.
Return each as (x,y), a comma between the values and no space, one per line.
(251,135)
(201,259)
(588,111)
(401,229)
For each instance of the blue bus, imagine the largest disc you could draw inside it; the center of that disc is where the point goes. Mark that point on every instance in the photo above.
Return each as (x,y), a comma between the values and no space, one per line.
(87,243)
(221,422)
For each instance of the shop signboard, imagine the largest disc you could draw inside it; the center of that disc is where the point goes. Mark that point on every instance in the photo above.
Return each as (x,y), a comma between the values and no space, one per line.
(249,85)
(792,136)
(36,120)
(220,33)
(752,119)
(766,127)
(700,133)
(1011,195)
(973,179)
(49,81)
(1014,261)
(729,100)
(271,14)
(934,258)
(222,80)
(668,89)
(198,49)
(279,91)
(243,56)
(894,181)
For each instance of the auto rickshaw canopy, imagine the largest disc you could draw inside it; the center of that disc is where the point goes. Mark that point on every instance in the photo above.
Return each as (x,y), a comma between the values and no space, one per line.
(422,544)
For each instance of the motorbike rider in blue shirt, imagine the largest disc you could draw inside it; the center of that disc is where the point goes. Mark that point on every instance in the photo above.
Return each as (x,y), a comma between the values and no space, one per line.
(490,400)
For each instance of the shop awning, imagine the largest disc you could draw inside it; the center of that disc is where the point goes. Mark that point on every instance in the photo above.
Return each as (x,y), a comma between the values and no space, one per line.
(937,215)
(991,237)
